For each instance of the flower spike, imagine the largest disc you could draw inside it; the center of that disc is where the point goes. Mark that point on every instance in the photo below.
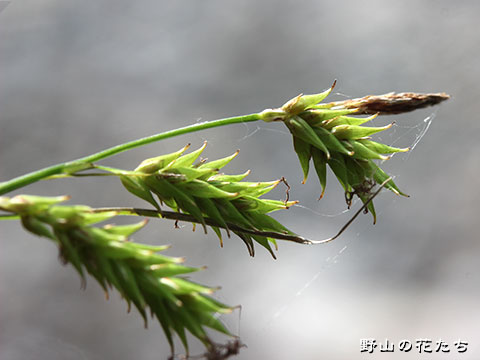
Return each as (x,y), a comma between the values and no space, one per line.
(330,135)
(143,277)
(200,190)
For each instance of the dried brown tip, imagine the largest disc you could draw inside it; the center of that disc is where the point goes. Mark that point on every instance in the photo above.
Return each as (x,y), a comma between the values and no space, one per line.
(392,103)
(333,85)
(322,194)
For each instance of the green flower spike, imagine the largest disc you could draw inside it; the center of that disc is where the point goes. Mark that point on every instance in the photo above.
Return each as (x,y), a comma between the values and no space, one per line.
(331,134)
(198,189)
(327,134)
(143,277)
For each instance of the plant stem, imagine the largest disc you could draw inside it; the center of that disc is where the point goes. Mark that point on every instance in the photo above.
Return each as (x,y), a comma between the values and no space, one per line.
(86,162)
(172,215)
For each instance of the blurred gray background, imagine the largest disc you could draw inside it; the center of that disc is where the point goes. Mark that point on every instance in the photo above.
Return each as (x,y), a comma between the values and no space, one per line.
(81,76)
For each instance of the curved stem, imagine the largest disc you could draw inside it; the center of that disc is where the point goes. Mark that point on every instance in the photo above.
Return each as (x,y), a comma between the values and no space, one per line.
(9,217)
(172,215)
(86,162)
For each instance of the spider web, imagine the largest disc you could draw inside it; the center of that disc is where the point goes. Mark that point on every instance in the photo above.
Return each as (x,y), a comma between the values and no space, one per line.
(397,138)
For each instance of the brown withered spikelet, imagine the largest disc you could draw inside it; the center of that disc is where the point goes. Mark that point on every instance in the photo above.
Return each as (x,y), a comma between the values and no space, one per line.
(391,103)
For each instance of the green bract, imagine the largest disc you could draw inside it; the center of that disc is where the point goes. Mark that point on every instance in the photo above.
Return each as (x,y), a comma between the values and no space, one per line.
(143,277)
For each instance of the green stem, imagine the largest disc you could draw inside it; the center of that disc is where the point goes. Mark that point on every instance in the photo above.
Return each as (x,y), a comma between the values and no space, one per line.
(9,217)
(86,162)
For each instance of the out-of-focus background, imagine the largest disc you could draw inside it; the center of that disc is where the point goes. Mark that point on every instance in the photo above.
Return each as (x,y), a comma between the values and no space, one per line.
(81,76)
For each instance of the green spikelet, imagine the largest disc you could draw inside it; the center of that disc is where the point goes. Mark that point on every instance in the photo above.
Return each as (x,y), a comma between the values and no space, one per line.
(331,136)
(200,190)
(143,277)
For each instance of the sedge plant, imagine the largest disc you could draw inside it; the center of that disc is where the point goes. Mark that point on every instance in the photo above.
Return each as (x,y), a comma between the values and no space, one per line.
(181,186)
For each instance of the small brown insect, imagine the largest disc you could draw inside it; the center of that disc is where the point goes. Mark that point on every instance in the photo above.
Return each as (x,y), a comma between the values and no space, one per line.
(218,351)
(364,189)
